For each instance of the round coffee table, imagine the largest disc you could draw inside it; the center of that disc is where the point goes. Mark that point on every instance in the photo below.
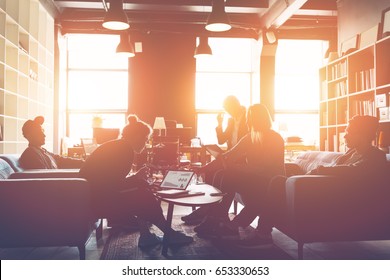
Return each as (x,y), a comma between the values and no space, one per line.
(192,201)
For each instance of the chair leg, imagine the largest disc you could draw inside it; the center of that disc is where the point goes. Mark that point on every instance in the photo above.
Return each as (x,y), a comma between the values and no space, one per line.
(99,230)
(300,251)
(235,206)
(82,252)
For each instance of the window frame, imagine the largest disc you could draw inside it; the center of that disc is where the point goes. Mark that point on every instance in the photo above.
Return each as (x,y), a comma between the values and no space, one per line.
(95,111)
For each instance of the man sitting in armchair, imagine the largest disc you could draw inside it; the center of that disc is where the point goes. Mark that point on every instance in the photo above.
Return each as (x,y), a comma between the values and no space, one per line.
(36,157)
(362,165)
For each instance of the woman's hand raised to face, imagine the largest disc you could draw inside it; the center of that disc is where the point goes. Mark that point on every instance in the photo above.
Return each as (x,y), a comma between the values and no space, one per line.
(220,118)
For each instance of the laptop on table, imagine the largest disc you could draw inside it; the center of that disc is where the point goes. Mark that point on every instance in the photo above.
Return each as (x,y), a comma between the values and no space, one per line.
(175,184)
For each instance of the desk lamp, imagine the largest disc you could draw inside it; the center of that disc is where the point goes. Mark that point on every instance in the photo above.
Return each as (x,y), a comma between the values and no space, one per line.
(159,124)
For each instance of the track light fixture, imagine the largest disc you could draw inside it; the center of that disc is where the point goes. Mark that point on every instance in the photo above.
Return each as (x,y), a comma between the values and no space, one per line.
(218,20)
(125,47)
(203,48)
(115,18)
(269,36)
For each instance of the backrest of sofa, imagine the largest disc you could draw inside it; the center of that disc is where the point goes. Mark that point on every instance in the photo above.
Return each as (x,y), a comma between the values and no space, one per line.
(13,161)
(5,169)
(309,160)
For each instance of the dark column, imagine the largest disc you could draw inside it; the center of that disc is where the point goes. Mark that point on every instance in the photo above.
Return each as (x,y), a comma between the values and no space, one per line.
(162,79)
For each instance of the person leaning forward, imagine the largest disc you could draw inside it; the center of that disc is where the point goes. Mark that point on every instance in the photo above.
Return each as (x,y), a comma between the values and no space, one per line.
(120,195)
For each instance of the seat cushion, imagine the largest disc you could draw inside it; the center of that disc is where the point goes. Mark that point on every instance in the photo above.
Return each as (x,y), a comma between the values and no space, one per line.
(5,169)
(310,160)
(13,161)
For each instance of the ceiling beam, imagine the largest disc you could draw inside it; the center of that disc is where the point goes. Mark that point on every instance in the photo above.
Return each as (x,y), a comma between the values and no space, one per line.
(279,12)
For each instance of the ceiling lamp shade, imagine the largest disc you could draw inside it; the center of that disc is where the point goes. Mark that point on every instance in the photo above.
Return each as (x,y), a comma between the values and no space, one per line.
(218,19)
(203,48)
(125,47)
(115,18)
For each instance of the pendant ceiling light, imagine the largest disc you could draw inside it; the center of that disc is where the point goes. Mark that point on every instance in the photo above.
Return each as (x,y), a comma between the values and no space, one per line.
(115,18)
(218,19)
(203,48)
(125,47)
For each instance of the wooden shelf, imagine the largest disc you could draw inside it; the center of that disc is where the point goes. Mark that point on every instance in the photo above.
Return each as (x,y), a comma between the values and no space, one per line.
(26,70)
(349,86)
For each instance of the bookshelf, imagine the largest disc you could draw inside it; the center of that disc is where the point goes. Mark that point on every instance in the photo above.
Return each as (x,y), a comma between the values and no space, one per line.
(355,84)
(26,70)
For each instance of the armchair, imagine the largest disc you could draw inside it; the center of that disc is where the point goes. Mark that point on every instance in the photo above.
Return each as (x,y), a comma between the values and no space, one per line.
(40,212)
(322,208)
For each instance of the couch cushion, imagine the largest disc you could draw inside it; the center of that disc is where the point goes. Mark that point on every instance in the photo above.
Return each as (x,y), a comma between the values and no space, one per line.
(309,160)
(5,169)
(13,161)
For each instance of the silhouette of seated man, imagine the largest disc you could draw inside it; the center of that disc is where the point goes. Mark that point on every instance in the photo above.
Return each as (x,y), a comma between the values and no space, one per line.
(362,165)
(36,157)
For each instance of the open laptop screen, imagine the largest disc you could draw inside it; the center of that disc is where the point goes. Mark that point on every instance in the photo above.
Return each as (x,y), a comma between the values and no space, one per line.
(177,179)
(89,145)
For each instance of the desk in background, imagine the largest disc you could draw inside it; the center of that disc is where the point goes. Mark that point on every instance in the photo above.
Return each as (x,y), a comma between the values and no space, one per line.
(197,154)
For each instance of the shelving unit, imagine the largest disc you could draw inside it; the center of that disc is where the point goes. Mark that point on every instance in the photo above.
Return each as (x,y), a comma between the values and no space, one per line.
(26,71)
(355,84)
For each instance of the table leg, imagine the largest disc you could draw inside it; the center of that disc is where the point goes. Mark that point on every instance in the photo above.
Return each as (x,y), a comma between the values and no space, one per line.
(166,234)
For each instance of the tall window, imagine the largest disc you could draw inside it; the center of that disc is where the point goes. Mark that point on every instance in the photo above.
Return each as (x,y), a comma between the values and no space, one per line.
(229,71)
(97,84)
(297,88)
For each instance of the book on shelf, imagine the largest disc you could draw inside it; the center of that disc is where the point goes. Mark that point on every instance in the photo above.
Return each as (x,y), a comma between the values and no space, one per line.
(339,70)
(364,107)
(384,113)
(341,89)
(380,100)
(342,146)
(335,141)
(364,79)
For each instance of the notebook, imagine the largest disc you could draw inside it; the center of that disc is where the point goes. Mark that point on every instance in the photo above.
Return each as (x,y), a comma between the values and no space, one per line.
(214,150)
(89,145)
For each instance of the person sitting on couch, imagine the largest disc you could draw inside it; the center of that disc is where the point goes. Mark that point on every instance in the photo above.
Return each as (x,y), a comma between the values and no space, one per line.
(363,162)
(120,195)
(36,157)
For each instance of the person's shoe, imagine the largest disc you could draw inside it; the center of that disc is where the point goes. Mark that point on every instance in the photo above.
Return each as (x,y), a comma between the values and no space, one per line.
(256,241)
(179,238)
(207,229)
(149,240)
(197,216)
(225,232)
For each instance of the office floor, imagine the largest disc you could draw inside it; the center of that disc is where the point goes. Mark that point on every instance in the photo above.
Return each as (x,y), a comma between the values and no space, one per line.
(364,250)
